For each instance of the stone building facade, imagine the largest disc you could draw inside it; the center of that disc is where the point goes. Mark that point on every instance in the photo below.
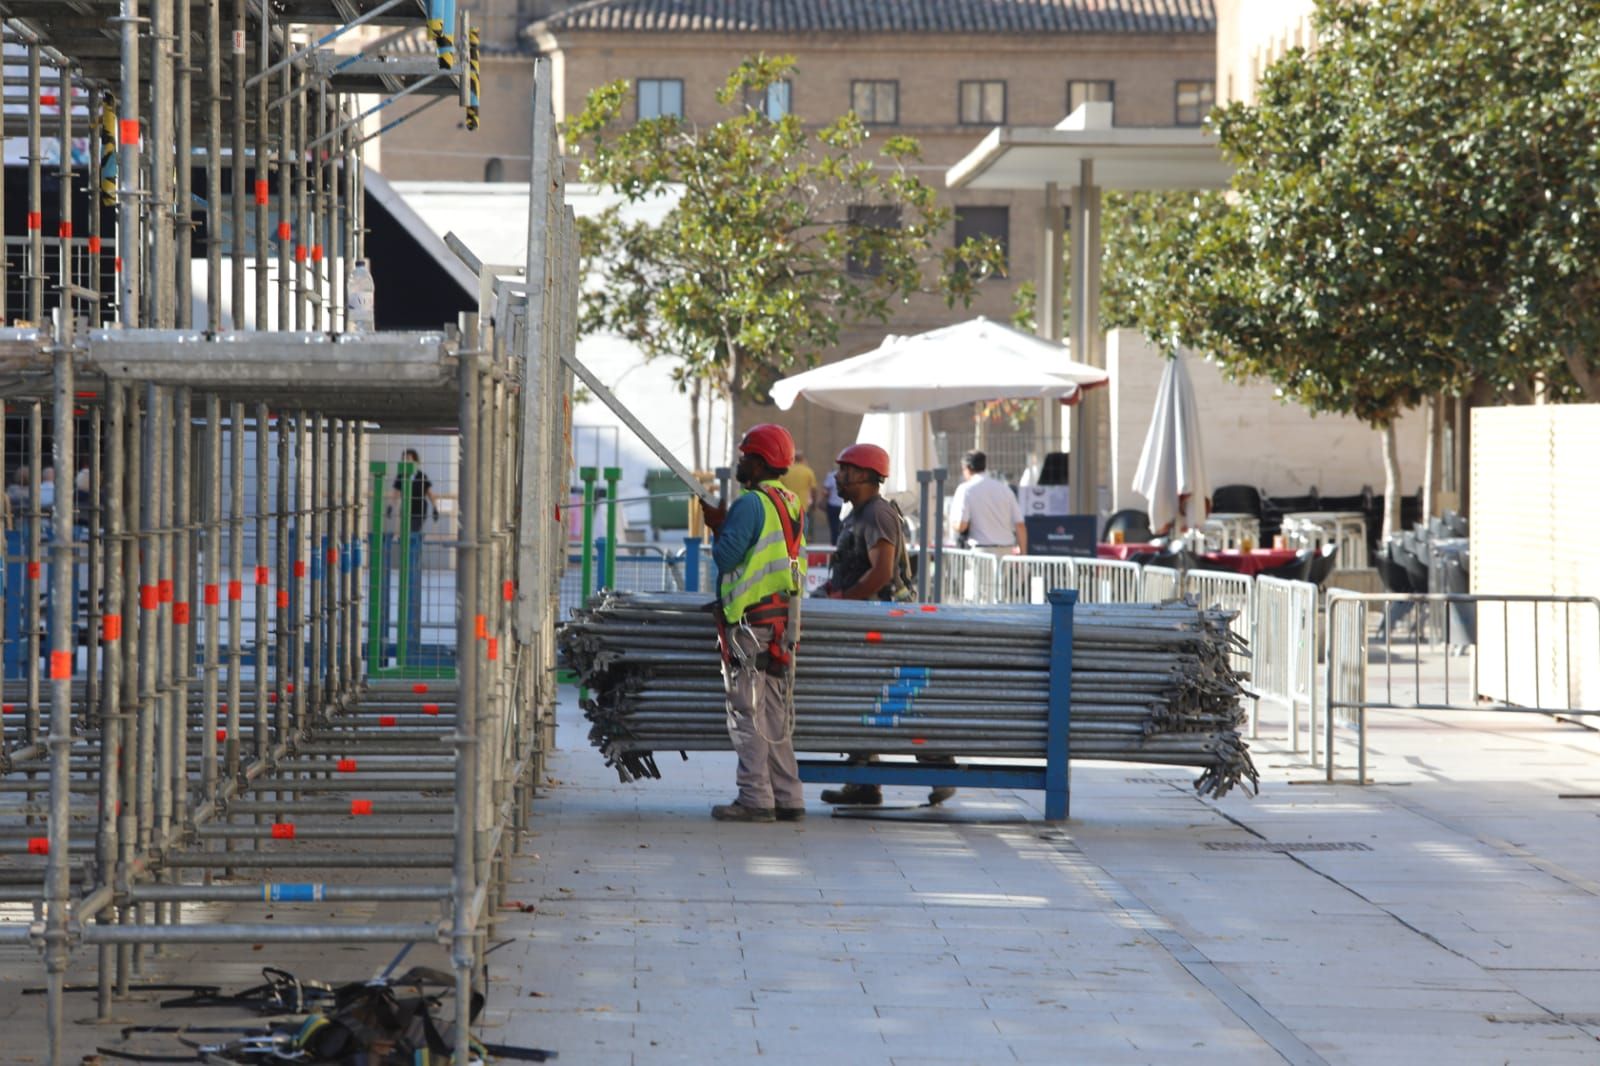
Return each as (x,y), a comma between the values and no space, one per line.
(942,71)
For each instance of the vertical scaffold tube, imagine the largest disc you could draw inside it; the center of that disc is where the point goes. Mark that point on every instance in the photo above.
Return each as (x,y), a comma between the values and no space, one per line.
(130,827)
(63,652)
(162,291)
(64,223)
(35,193)
(263,561)
(262,169)
(462,955)
(286,233)
(214,230)
(128,238)
(183,110)
(112,718)
(235,587)
(180,610)
(237,171)
(213,608)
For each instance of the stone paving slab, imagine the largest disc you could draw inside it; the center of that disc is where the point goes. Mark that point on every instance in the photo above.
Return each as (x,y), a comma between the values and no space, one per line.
(1466,928)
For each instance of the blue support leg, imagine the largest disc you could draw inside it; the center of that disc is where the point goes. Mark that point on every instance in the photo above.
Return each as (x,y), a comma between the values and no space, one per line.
(1058,776)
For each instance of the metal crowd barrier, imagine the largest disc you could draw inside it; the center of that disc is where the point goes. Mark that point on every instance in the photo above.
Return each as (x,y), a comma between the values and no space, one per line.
(1285,649)
(1028,578)
(1533,655)
(1157,584)
(967,575)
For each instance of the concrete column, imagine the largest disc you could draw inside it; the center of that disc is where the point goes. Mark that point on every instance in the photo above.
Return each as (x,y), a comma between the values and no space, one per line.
(1047,422)
(1084,467)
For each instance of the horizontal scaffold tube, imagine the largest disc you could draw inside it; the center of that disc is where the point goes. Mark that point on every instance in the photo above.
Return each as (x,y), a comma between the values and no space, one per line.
(1150,682)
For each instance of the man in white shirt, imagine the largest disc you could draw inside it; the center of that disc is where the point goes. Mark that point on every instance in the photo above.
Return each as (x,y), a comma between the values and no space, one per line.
(986,511)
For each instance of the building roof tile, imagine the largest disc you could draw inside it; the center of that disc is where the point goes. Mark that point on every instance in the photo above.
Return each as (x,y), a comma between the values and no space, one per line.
(890,16)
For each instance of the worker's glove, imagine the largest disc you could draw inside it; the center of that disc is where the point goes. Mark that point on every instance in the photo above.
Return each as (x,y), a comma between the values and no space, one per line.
(713,515)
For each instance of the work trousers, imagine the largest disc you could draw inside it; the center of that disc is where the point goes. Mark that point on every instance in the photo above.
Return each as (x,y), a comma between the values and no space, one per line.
(758,724)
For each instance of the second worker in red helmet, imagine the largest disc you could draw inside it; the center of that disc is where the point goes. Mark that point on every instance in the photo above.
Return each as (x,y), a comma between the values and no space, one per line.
(869,558)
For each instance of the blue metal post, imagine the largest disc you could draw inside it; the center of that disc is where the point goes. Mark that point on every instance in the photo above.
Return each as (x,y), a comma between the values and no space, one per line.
(691,564)
(602,578)
(1057,775)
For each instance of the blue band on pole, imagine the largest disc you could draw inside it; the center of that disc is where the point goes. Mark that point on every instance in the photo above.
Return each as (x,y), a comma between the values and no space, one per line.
(907,673)
(889,720)
(900,706)
(292,893)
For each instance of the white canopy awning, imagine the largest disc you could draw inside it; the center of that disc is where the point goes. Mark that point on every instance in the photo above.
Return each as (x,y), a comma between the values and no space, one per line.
(971,361)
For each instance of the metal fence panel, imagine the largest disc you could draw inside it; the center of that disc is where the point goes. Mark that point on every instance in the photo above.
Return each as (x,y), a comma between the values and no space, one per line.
(1027,578)
(1285,646)
(968,576)
(1106,581)
(1158,584)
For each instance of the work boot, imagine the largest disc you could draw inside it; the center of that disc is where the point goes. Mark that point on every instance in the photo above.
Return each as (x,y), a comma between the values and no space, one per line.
(938,795)
(791,814)
(738,812)
(854,795)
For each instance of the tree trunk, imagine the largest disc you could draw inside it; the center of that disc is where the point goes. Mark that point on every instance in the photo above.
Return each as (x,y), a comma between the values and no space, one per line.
(1433,411)
(694,425)
(1588,378)
(1391,482)
(735,394)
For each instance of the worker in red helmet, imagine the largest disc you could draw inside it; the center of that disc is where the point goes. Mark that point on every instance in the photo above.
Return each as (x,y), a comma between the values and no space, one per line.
(760,557)
(869,557)
(870,562)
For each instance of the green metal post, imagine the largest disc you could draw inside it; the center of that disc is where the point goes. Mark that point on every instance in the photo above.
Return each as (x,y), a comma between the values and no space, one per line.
(402,538)
(586,474)
(613,474)
(375,564)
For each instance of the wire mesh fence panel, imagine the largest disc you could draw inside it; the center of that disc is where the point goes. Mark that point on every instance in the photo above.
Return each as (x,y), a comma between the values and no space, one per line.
(1229,592)
(411,557)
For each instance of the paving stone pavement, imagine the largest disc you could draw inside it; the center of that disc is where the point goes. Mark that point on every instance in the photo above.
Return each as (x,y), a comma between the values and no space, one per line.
(1448,912)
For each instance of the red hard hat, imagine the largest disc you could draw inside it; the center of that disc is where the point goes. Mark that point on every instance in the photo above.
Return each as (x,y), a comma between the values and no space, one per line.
(867,457)
(771,443)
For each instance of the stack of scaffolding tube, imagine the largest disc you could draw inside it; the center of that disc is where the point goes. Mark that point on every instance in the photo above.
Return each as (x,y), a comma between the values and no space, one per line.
(1151,683)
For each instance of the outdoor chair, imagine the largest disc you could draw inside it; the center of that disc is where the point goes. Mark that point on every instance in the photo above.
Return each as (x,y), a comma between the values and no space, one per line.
(1298,570)
(1322,564)
(1237,499)
(1462,617)
(1134,524)
(1395,579)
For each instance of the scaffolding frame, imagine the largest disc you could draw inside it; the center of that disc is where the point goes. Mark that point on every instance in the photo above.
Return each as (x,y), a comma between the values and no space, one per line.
(220,695)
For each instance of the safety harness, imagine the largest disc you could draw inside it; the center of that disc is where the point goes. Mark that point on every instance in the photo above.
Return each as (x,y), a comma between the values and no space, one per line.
(774,610)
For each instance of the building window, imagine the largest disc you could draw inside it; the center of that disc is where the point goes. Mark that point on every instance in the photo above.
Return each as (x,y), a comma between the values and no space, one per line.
(976,223)
(982,103)
(1193,100)
(494,170)
(775,101)
(660,98)
(877,103)
(780,99)
(1089,92)
(865,218)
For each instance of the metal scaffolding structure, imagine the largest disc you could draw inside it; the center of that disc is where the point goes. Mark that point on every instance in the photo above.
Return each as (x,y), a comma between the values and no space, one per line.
(188,702)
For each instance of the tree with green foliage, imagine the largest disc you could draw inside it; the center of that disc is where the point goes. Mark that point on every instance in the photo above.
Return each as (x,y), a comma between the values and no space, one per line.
(780,235)
(1416,210)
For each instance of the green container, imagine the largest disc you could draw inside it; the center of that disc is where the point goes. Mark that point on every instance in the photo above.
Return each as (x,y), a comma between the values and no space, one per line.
(667,513)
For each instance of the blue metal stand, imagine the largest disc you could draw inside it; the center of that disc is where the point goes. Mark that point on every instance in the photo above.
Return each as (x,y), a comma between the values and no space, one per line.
(1054,780)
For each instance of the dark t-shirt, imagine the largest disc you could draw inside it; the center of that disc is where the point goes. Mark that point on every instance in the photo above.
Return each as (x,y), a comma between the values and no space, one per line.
(420,485)
(868,525)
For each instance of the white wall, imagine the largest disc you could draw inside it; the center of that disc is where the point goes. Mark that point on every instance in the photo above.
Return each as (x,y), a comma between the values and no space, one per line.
(1534,512)
(1251,437)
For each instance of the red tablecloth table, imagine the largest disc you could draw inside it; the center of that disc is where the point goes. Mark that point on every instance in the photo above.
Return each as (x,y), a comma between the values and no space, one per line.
(1252,562)
(1123,551)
